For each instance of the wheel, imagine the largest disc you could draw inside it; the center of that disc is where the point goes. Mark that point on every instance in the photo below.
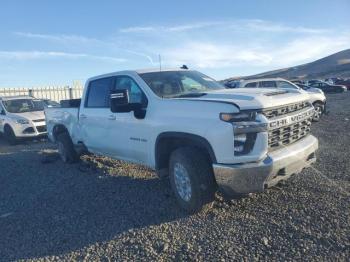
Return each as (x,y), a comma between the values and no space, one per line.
(318,111)
(191,178)
(66,148)
(10,135)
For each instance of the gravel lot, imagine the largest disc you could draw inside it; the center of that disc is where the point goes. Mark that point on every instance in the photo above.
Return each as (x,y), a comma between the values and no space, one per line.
(101,209)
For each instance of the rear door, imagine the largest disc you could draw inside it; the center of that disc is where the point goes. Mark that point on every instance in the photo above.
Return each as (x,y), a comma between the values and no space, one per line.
(95,114)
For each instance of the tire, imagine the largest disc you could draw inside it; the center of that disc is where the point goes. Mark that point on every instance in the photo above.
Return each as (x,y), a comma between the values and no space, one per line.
(319,108)
(10,135)
(191,178)
(66,148)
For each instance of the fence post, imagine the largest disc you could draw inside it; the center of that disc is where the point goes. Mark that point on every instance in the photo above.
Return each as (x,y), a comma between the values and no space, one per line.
(70,92)
(31,92)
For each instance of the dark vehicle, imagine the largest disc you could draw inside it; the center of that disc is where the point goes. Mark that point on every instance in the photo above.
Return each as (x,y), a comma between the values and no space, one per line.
(231,84)
(327,88)
(344,82)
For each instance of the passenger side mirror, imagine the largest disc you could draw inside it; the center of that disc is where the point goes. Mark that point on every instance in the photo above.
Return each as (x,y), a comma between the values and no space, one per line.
(2,112)
(120,102)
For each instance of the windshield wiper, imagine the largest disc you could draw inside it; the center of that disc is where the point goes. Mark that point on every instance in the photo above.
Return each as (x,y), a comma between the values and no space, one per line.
(194,94)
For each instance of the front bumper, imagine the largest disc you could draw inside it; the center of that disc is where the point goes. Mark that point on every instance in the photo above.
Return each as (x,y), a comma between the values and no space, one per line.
(31,130)
(278,165)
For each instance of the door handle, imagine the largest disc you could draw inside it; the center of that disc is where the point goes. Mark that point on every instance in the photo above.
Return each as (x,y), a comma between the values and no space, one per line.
(112,117)
(82,116)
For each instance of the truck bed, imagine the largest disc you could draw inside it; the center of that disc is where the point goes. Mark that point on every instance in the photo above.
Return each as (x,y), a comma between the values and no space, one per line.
(66,116)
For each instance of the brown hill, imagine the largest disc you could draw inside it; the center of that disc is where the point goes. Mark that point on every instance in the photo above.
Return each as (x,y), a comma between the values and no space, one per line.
(335,65)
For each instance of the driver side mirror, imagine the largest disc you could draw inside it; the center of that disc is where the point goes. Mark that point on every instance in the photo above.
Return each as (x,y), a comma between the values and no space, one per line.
(2,112)
(120,101)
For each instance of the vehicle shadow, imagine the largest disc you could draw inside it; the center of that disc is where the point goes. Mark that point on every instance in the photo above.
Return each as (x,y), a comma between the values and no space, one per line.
(51,208)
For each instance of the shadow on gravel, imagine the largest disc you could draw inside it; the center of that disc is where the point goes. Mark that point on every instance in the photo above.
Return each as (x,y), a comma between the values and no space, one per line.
(52,209)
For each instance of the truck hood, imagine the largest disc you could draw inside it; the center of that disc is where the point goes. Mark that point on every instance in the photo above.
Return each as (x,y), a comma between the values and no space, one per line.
(36,115)
(253,98)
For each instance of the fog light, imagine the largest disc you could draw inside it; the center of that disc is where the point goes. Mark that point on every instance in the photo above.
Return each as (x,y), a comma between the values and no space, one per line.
(239,142)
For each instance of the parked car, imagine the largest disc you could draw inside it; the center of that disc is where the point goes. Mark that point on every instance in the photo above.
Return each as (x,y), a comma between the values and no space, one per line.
(186,125)
(316,96)
(232,84)
(328,88)
(343,82)
(21,117)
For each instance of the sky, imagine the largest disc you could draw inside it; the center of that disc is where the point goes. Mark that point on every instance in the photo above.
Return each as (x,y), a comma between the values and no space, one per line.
(57,42)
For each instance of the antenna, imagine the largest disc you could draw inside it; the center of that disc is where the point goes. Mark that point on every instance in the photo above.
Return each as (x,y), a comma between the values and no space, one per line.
(160,62)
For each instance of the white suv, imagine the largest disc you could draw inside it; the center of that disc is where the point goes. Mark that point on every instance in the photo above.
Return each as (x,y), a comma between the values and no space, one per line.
(317,97)
(21,117)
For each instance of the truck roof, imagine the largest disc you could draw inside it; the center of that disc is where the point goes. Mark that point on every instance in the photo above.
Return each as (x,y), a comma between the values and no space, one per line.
(138,71)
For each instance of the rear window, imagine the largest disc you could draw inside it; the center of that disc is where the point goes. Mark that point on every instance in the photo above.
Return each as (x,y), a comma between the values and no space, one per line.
(98,92)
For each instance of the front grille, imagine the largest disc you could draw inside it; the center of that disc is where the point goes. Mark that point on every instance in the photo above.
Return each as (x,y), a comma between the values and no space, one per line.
(39,120)
(288,134)
(283,110)
(28,130)
(41,129)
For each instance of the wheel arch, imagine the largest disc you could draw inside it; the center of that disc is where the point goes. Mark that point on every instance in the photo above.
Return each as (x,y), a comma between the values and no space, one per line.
(58,129)
(167,142)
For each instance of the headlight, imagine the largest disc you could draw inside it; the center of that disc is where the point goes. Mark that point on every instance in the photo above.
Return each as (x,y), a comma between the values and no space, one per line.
(22,121)
(238,117)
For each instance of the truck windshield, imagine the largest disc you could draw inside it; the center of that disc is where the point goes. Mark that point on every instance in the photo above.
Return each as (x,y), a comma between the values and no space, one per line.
(22,106)
(171,84)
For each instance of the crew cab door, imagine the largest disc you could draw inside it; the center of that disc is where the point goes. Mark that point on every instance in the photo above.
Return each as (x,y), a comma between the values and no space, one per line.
(128,136)
(94,115)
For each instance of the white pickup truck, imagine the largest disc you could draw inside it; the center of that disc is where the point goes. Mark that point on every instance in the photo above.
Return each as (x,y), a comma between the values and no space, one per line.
(186,125)
(21,117)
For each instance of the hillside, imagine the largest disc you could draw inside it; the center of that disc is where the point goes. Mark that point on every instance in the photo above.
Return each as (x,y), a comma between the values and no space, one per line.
(335,65)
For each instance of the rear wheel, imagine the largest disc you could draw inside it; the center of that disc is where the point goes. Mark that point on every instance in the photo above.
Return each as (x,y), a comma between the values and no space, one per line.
(318,111)
(10,135)
(66,148)
(191,178)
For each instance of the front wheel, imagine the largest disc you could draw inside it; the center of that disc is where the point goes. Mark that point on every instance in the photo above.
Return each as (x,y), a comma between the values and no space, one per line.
(10,135)
(318,112)
(191,178)
(66,148)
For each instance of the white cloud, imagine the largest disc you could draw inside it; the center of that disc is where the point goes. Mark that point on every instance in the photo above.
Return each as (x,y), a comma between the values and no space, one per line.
(239,24)
(266,26)
(173,28)
(30,55)
(60,37)
(253,44)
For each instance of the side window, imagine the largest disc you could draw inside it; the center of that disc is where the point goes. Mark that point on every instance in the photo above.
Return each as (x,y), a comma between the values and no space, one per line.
(284,85)
(252,84)
(135,93)
(98,92)
(268,84)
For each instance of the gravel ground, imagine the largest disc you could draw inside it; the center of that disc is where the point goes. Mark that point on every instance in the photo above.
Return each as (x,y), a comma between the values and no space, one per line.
(101,209)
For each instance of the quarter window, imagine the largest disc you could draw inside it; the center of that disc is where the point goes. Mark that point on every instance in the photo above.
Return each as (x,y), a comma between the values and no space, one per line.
(98,93)
(268,84)
(252,84)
